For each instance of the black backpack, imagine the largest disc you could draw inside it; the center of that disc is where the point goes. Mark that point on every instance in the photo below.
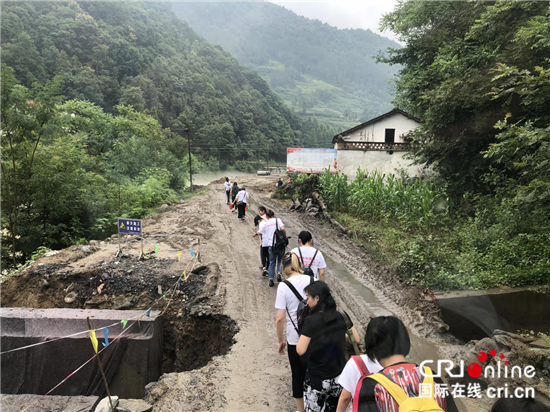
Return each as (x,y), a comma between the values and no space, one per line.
(280,240)
(303,309)
(307,270)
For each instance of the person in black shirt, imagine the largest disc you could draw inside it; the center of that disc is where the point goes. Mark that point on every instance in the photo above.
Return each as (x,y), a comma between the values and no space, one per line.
(234,190)
(323,339)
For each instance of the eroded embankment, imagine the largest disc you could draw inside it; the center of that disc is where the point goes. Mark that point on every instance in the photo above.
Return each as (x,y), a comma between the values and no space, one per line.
(194,328)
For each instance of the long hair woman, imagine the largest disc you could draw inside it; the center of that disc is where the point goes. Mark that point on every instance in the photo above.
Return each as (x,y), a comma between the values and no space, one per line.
(289,295)
(264,250)
(323,337)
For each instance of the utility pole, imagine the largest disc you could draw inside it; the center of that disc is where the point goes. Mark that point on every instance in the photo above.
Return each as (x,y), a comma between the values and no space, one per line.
(188,134)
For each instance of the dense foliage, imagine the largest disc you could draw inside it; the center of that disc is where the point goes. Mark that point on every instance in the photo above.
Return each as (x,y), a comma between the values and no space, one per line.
(477,74)
(69,169)
(464,67)
(140,54)
(408,224)
(96,98)
(319,70)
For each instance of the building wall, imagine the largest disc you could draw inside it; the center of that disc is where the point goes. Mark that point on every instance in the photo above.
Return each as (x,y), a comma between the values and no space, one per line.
(350,160)
(376,132)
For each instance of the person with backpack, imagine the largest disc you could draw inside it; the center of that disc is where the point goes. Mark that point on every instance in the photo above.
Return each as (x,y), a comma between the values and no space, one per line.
(273,231)
(397,386)
(227,185)
(290,304)
(357,368)
(312,259)
(323,339)
(241,201)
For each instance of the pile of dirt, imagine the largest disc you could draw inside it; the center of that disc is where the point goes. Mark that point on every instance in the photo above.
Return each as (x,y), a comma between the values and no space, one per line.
(194,328)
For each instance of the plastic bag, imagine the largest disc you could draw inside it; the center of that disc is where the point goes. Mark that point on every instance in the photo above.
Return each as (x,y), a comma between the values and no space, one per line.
(231,206)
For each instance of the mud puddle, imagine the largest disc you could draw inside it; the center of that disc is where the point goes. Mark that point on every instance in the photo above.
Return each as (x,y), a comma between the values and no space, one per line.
(421,349)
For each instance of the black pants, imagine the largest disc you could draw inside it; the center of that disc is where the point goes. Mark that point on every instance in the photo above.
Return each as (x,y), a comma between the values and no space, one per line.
(298,366)
(264,256)
(227,195)
(241,209)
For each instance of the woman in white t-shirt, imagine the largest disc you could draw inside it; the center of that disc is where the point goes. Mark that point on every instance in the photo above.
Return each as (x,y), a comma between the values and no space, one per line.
(306,253)
(264,250)
(241,201)
(350,378)
(227,185)
(267,230)
(286,304)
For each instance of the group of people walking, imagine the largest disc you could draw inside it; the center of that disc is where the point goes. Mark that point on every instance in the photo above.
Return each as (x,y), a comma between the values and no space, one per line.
(237,197)
(329,372)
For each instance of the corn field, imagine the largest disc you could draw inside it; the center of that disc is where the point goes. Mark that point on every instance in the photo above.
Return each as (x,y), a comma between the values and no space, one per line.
(374,195)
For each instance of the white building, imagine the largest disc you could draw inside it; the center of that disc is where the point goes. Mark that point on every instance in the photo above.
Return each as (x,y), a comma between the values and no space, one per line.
(378,144)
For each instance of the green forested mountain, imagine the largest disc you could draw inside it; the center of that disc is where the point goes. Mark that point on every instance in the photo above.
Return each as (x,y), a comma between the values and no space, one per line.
(95,100)
(317,69)
(140,54)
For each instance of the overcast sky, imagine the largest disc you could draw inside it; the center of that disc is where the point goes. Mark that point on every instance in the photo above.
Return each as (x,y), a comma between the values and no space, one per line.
(344,14)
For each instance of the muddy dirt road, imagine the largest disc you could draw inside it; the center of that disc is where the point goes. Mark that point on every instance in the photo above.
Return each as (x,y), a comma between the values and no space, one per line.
(253,377)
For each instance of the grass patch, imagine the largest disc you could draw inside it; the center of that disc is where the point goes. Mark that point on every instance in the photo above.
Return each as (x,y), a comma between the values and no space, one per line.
(453,256)
(379,240)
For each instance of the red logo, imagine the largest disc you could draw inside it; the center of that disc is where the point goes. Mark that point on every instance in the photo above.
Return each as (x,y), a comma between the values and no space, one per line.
(474,369)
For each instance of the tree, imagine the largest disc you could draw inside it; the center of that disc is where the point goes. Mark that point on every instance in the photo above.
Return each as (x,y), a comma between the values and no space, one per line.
(448,62)
(28,118)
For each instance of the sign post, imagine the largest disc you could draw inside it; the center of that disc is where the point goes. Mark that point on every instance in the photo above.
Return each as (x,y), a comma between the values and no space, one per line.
(199,254)
(129,227)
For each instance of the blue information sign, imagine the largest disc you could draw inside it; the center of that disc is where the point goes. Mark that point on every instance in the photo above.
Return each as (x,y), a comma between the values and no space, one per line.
(129,226)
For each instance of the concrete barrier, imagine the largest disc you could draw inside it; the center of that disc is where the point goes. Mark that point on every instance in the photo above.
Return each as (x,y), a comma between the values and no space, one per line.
(130,362)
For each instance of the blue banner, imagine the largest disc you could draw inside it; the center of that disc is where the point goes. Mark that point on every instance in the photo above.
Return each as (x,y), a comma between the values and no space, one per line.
(129,226)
